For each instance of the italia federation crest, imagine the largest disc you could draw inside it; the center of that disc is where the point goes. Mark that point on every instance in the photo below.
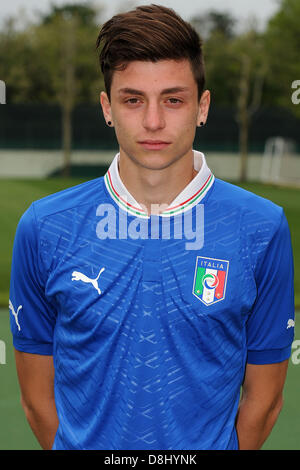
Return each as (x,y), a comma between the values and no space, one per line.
(210,279)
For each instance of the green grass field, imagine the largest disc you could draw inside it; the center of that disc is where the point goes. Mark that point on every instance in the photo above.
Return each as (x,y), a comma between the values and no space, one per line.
(15,197)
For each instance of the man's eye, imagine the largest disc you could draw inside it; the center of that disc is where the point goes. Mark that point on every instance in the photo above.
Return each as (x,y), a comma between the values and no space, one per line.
(174,100)
(132,100)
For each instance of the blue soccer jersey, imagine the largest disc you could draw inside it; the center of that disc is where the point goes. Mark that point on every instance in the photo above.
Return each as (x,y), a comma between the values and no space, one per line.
(151,320)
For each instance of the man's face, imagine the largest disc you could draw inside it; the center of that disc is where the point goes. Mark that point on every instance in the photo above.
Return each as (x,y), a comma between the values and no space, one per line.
(155,110)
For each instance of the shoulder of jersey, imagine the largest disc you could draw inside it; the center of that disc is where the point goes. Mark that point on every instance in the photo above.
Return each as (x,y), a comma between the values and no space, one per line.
(89,192)
(235,197)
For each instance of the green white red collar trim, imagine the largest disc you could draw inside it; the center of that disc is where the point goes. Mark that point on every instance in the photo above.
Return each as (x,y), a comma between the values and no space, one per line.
(191,195)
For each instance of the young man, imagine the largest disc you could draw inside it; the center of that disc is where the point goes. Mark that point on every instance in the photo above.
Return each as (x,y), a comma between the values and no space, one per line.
(143,301)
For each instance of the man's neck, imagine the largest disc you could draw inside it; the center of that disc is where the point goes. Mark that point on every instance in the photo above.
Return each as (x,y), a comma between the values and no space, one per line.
(156,189)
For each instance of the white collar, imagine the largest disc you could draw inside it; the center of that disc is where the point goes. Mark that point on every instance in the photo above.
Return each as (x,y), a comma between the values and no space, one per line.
(191,195)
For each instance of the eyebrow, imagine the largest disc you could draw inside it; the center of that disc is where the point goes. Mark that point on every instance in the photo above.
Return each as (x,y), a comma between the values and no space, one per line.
(166,91)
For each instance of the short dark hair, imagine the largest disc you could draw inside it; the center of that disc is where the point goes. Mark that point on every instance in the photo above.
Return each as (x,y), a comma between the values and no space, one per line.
(148,33)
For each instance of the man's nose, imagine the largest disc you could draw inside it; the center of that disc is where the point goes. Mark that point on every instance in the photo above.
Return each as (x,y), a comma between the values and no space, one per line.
(153,117)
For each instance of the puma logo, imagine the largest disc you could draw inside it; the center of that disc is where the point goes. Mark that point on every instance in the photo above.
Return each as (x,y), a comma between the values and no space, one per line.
(290,323)
(78,276)
(15,314)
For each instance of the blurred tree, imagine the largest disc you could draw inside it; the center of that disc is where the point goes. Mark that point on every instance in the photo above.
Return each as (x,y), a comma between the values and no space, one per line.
(15,54)
(248,49)
(84,12)
(235,71)
(214,22)
(220,69)
(64,43)
(54,61)
(282,38)
(217,31)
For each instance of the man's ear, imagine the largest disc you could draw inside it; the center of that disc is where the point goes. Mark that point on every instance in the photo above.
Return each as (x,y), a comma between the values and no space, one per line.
(204,104)
(106,108)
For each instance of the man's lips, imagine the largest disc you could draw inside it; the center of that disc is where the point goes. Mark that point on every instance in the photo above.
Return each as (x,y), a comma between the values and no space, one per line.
(154,144)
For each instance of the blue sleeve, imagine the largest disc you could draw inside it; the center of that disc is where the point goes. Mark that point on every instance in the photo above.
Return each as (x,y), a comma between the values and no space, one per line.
(270,327)
(32,318)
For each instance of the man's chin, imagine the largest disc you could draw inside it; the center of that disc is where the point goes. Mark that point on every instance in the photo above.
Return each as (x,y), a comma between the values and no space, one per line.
(151,160)
(154,160)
